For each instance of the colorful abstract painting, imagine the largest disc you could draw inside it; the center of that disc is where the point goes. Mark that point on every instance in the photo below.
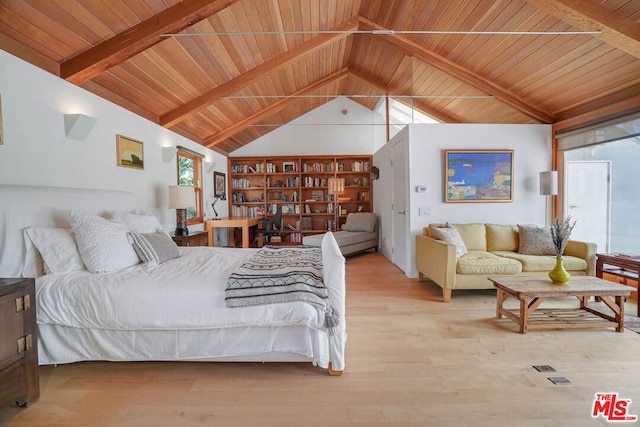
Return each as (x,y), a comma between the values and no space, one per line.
(478,175)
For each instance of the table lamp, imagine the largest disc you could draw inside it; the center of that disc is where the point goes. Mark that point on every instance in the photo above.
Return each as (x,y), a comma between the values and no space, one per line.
(335,188)
(181,197)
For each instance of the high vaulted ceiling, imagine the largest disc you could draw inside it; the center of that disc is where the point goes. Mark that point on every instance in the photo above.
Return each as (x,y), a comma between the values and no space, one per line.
(225,72)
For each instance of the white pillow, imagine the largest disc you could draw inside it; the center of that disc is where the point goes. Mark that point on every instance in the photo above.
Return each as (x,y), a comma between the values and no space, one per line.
(451,235)
(58,249)
(103,244)
(140,223)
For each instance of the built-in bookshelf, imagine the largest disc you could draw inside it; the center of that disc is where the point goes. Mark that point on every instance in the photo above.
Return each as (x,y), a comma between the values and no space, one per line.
(299,185)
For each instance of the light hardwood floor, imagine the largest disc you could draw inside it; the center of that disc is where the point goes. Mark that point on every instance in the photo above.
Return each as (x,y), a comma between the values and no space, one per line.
(412,360)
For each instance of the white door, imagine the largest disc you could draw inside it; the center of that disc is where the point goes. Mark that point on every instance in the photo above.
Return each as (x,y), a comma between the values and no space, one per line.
(588,200)
(399,209)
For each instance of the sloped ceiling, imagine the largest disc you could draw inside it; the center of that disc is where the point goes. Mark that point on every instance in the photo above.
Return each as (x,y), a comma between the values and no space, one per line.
(218,71)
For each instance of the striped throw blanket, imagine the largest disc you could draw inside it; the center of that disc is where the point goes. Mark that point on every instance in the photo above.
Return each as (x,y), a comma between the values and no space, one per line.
(278,274)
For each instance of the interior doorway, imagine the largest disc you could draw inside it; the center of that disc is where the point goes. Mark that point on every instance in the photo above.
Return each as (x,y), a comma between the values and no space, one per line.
(588,200)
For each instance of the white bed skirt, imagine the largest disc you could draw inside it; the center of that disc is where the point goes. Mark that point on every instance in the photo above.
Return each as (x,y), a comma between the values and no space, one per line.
(62,344)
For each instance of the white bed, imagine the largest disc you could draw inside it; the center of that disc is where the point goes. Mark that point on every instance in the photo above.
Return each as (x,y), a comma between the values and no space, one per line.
(171,311)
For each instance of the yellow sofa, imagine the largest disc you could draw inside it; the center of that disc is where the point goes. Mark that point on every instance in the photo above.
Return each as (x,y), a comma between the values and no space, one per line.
(492,251)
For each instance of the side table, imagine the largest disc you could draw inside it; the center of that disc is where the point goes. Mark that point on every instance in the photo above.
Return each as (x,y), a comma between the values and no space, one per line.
(19,371)
(194,238)
(620,268)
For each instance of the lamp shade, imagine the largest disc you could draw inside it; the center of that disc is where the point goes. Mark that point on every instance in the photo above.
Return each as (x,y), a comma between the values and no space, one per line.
(182,197)
(336,186)
(549,183)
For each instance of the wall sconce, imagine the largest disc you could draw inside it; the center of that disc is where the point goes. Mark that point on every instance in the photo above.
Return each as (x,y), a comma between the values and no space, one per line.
(209,166)
(181,197)
(549,183)
(78,126)
(168,153)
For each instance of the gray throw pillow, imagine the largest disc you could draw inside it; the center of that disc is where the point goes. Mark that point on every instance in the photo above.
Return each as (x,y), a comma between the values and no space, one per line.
(534,240)
(155,247)
(361,221)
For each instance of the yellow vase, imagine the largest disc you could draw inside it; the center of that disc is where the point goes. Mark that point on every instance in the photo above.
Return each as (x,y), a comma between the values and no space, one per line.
(559,274)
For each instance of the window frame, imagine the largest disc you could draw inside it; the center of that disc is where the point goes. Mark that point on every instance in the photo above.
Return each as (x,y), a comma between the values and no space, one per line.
(197,183)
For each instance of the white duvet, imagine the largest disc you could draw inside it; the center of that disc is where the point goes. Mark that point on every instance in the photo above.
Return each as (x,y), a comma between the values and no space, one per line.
(185,293)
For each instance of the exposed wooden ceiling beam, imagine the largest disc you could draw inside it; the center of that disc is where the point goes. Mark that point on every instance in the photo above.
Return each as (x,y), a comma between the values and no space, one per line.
(274,108)
(460,73)
(617,31)
(438,115)
(178,114)
(123,46)
(609,112)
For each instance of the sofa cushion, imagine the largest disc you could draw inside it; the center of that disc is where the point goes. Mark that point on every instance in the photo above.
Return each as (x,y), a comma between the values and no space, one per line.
(361,221)
(544,262)
(480,262)
(343,238)
(450,235)
(474,236)
(534,240)
(502,237)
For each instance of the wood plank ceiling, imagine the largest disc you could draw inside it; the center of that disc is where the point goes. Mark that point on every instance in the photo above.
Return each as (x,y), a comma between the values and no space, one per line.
(236,69)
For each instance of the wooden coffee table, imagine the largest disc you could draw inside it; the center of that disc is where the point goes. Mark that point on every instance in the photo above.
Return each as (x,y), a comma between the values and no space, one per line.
(532,291)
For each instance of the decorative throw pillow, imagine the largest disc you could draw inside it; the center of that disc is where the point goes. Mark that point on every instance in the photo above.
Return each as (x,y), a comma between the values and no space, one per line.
(361,221)
(451,235)
(140,223)
(103,244)
(155,247)
(58,249)
(534,240)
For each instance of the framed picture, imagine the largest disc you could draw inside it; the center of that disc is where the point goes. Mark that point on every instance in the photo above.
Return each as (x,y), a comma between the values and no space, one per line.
(483,176)
(130,152)
(288,167)
(219,184)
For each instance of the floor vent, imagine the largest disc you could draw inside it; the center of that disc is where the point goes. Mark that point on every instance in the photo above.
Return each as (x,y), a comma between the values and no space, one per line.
(544,368)
(559,380)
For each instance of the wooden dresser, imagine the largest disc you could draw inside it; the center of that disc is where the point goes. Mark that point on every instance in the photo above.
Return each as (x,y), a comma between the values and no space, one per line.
(19,372)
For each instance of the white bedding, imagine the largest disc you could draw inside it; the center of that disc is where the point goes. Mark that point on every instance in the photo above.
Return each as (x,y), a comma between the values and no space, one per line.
(171,311)
(182,293)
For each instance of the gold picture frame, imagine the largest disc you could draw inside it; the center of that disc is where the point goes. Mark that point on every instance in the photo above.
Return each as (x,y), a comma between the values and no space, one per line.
(130,152)
(478,176)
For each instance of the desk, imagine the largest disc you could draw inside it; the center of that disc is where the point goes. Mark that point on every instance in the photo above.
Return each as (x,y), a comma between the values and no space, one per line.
(244,222)
(623,269)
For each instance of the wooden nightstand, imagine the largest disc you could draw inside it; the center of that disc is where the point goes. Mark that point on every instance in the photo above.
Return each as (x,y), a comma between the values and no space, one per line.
(194,238)
(19,371)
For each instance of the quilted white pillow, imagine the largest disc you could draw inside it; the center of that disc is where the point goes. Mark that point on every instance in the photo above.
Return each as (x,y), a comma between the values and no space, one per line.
(103,244)
(451,235)
(140,223)
(58,249)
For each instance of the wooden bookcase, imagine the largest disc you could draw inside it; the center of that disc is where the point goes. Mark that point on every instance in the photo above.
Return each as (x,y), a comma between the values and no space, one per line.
(258,185)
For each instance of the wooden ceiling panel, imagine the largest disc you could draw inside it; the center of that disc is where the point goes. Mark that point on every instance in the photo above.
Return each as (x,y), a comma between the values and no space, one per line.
(115,49)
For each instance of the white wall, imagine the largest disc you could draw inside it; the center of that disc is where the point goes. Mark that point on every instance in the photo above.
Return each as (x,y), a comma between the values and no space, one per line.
(532,154)
(37,152)
(323,131)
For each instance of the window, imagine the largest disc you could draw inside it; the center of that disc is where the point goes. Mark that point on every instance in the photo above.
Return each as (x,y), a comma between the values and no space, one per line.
(190,173)
(609,217)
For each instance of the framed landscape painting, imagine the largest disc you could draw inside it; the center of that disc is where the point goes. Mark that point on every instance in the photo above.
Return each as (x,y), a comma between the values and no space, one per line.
(129,152)
(483,176)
